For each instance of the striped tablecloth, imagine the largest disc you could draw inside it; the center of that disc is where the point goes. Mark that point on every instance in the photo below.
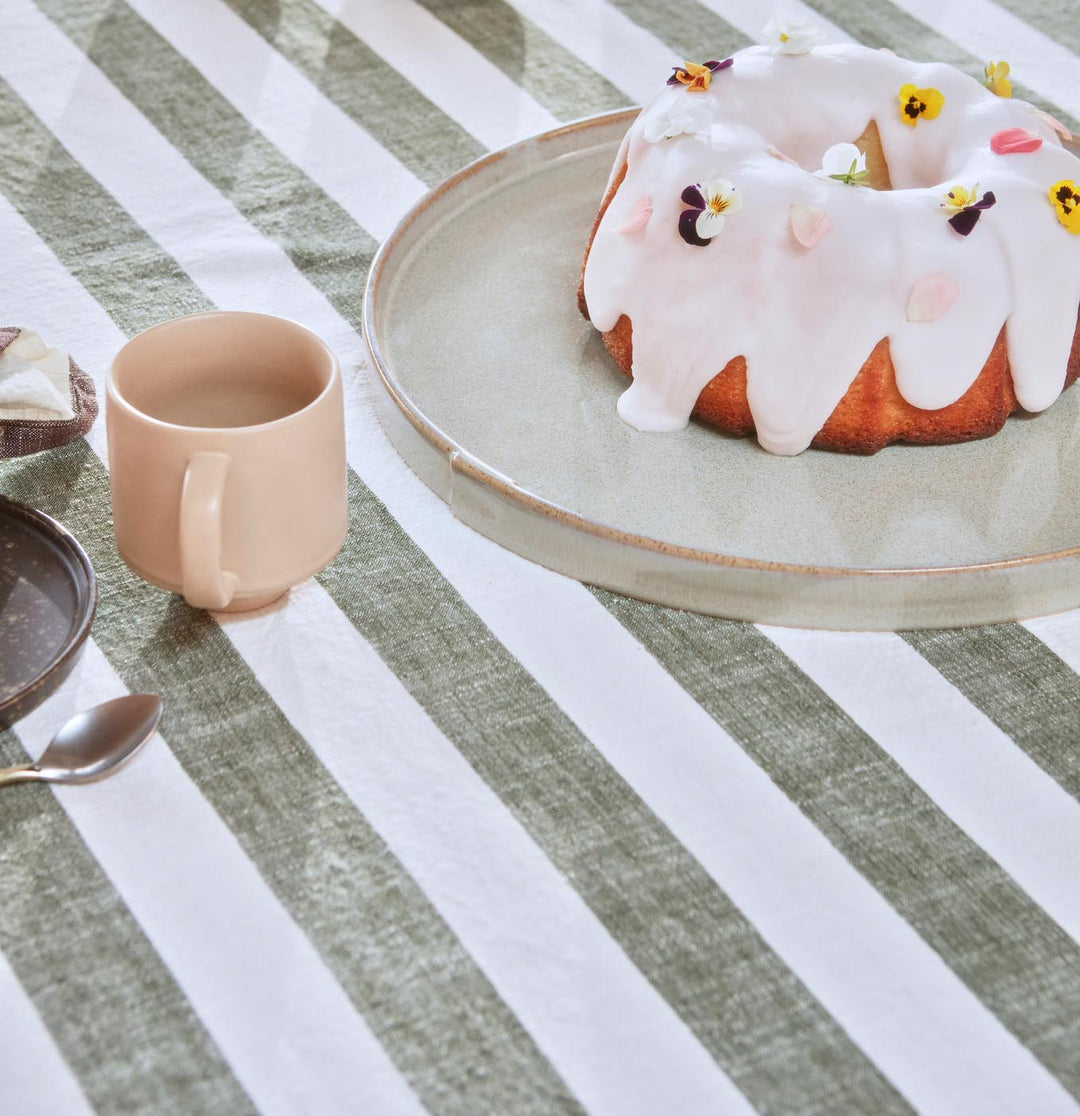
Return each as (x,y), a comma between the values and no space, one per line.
(449,832)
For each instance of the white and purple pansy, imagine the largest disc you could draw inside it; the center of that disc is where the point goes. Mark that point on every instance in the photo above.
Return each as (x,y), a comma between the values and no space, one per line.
(966,207)
(711,203)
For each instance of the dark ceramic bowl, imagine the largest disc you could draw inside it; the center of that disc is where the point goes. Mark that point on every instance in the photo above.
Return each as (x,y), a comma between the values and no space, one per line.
(48,594)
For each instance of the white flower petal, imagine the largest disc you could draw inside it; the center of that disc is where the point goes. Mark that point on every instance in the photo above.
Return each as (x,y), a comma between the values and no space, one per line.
(791,34)
(671,120)
(709,224)
(724,190)
(838,160)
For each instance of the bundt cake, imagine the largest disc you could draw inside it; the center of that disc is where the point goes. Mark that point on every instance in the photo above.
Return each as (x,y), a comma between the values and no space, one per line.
(833,246)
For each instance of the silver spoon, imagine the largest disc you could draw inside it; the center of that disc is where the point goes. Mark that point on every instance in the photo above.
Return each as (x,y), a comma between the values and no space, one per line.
(93,744)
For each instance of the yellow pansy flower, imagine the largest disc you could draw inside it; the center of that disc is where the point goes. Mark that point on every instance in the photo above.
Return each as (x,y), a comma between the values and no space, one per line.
(960,197)
(997,78)
(917,103)
(696,78)
(1065,198)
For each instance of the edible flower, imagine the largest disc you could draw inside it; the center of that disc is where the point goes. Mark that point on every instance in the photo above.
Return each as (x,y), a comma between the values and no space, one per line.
(791,34)
(809,225)
(843,162)
(695,77)
(710,205)
(1015,141)
(997,78)
(637,218)
(916,103)
(930,297)
(1065,196)
(676,119)
(966,207)
(1050,122)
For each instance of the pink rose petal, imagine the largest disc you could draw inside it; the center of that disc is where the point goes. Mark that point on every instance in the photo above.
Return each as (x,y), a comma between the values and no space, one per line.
(638,218)
(776,153)
(1053,123)
(809,225)
(931,296)
(1014,141)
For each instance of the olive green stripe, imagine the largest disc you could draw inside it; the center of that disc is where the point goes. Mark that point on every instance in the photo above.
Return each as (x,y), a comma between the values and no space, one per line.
(1020,684)
(110,1004)
(689,28)
(771,1052)
(110,253)
(275,197)
(1000,943)
(683,933)
(350,74)
(330,870)
(545,69)
(1057,20)
(878,23)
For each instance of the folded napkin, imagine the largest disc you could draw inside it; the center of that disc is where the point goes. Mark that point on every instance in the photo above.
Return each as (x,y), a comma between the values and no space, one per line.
(45,398)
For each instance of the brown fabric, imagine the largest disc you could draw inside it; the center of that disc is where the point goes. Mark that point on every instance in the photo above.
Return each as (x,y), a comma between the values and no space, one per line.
(32,435)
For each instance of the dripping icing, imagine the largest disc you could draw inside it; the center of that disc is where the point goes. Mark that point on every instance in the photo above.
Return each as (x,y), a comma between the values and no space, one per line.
(806,321)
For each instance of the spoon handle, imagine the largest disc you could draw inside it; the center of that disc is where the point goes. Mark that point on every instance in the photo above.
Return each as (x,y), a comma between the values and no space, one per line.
(27,773)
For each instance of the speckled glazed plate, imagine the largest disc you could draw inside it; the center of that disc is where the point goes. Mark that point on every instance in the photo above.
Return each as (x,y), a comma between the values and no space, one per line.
(48,594)
(502,398)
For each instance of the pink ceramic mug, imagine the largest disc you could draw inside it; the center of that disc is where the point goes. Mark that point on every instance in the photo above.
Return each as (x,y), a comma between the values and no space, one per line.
(226,440)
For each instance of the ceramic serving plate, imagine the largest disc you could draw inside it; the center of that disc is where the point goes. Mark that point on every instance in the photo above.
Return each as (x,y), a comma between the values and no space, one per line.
(502,398)
(48,594)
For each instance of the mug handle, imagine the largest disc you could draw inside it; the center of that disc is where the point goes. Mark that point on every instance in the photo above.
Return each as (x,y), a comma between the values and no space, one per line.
(205,584)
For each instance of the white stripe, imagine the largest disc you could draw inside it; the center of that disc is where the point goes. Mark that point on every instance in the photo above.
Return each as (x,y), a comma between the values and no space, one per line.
(630,57)
(351,167)
(889,990)
(281,1021)
(229,260)
(611,1036)
(1061,633)
(35,1077)
(991,33)
(445,68)
(544,909)
(1003,800)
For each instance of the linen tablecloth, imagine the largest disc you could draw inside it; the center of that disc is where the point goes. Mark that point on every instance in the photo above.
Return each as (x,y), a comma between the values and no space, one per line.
(448,832)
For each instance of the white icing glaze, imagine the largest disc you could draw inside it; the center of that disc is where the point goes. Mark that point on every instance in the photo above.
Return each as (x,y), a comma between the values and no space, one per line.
(806,319)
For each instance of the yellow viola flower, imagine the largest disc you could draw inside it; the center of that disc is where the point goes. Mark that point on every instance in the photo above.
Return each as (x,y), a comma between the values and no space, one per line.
(695,77)
(997,78)
(917,103)
(1065,198)
(960,197)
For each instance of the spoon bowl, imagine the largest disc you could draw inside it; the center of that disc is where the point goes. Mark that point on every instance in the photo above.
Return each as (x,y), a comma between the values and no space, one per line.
(94,743)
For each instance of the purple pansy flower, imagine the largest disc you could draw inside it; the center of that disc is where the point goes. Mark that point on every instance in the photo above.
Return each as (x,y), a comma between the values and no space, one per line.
(966,211)
(710,205)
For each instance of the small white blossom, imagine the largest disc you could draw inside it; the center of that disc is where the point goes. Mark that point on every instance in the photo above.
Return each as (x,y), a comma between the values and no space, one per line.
(843,162)
(791,34)
(676,118)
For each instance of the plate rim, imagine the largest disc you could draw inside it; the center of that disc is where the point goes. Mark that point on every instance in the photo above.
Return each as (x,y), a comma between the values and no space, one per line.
(466,462)
(16,706)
